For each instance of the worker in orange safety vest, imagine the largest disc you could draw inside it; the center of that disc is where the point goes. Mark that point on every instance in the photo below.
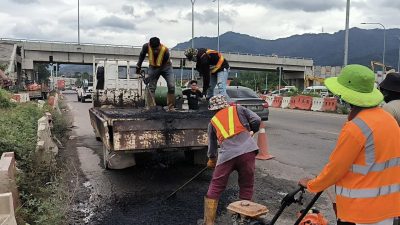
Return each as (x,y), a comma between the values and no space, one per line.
(231,128)
(213,67)
(365,164)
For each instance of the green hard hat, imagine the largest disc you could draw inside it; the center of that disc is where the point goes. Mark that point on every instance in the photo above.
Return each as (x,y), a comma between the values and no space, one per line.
(356,85)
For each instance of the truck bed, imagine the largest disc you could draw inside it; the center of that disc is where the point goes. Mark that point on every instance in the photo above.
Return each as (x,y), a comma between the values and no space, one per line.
(140,130)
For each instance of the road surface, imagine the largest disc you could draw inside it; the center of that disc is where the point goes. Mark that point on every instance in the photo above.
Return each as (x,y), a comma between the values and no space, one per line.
(301,142)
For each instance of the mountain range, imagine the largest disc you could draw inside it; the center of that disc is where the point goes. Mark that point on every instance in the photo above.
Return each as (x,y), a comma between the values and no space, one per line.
(324,48)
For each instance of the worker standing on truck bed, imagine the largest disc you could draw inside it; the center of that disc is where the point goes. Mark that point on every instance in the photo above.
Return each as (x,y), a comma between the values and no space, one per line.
(213,67)
(231,128)
(390,88)
(159,65)
(365,164)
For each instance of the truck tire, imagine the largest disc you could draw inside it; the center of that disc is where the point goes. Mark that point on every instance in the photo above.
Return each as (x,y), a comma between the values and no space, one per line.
(196,157)
(105,157)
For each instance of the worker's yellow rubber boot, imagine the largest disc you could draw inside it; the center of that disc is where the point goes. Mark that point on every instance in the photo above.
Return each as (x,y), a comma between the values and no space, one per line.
(210,210)
(171,102)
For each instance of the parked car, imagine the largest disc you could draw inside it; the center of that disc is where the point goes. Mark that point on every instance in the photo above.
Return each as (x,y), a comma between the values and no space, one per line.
(318,90)
(85,91)
(283,91)
(248,98)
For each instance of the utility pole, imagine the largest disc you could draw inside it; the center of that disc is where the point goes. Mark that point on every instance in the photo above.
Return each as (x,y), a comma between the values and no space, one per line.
(346,39)
(79,30)
(193,1)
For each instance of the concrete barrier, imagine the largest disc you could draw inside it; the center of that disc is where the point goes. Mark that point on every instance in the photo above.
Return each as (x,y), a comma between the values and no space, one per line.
(317,104)
(269,100)
(7,176)
(285,102)
(7,215)
(277,102)
(21,97)
(45,141)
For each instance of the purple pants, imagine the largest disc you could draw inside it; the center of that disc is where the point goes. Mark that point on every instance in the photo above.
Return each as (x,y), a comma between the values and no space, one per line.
(245,166)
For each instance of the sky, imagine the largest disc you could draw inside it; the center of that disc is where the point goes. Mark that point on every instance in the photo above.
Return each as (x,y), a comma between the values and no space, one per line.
(133,22)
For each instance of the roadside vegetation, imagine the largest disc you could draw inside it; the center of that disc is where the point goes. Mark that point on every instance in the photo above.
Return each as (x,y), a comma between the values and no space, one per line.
(39,181)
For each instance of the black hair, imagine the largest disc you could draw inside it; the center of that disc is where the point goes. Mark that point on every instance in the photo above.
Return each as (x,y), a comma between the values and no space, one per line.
(154,42)
(193,82)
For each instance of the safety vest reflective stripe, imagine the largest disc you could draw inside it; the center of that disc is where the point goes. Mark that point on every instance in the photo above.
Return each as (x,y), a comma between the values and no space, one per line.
(231,125)
(159,57)
(215,68)
(220,127)
(367,193)
(370,153)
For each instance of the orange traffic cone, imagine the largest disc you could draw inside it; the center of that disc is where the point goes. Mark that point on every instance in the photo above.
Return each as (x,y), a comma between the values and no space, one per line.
(262,143)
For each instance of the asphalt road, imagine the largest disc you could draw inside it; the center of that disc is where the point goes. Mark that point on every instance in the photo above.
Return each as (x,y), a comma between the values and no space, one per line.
(301,142)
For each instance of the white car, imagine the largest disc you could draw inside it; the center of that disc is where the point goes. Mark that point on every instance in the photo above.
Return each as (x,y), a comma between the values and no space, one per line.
(85,91)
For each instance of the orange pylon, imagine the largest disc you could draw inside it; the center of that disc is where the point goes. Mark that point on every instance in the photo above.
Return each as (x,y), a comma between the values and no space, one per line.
(262,142)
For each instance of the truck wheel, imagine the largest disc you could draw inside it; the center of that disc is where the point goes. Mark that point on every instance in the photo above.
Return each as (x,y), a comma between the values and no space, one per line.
(105,157)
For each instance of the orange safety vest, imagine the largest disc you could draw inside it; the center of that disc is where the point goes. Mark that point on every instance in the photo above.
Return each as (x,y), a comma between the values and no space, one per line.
(227,123)
(160,56)
(216,67)
(370,191)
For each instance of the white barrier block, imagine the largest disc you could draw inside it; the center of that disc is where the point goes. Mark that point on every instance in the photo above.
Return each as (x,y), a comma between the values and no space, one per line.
(269,100)
(317,104)
(285,102)
(7,216)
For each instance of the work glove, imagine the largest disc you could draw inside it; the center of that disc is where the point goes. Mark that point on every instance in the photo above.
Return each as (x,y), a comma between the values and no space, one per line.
(138,69)
(212,162)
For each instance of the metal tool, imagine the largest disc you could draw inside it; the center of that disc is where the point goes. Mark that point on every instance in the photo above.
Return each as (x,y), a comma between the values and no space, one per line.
(187,182)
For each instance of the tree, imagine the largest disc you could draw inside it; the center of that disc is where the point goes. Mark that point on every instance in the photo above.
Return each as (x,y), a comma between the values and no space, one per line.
(43,72)
(256,79)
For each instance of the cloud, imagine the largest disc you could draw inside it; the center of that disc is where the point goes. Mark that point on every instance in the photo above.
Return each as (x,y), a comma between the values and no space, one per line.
(150,13)
(172,21)
(302,5)
(128,10)
(211,16)
(116,22)
(25,1)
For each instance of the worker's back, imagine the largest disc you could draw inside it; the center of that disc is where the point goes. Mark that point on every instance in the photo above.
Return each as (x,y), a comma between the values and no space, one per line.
(370,191)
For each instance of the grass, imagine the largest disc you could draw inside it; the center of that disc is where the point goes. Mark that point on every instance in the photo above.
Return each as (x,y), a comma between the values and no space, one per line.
(42,193)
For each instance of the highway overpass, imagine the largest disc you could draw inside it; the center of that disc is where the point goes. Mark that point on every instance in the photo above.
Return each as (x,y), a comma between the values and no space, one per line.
(33,51)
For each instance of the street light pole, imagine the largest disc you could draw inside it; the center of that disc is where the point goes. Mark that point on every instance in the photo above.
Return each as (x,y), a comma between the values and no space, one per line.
(193,1)
(79,30)
(384,43)
(218,26)
(346,40)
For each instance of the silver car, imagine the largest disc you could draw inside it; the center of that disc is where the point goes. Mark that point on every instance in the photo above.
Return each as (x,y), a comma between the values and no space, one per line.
(248,98)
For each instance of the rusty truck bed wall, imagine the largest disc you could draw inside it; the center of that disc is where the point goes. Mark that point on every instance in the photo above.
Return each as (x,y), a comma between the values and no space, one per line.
(118,98)
(131,129)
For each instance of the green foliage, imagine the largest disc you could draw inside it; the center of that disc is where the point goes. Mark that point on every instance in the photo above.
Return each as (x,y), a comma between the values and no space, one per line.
(43,71)
(5,101)
(256,80)
(42,195)
(3,67)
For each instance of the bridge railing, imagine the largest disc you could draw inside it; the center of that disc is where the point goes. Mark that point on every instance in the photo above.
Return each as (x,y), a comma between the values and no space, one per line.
(132,46)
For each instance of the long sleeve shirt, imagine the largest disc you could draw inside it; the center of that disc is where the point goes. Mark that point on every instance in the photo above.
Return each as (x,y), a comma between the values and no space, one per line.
(237,145)
(204,63)
(145,49)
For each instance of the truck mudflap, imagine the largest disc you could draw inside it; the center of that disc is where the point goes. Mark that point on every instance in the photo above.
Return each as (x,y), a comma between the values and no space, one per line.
(100,126)
(169,134)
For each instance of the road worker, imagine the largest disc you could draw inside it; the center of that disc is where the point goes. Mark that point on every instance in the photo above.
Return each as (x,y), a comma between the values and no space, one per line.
(365,164)
(231,128)
(213,67)
(159,65)
(390,88)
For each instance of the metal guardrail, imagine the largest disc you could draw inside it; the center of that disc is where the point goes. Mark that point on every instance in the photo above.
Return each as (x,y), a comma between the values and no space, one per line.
(132,46)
